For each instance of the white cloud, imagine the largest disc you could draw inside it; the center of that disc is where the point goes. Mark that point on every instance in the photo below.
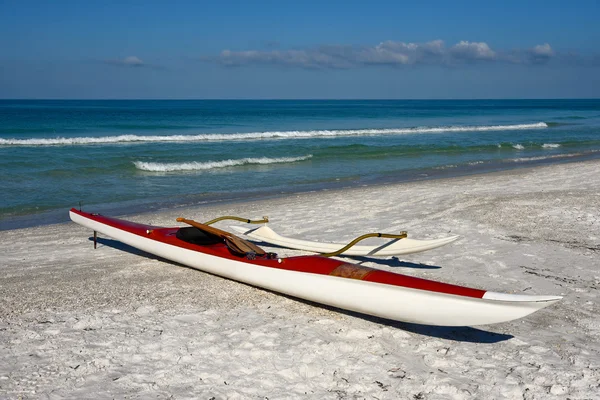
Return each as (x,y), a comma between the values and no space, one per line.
(540,54)
(472,51)
(131,61)
(543,50)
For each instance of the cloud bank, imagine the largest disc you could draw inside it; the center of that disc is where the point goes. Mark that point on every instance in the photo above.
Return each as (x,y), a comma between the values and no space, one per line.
(388,53)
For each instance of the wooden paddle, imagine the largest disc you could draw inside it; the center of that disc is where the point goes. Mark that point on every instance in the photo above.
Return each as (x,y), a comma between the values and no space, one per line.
(236,244)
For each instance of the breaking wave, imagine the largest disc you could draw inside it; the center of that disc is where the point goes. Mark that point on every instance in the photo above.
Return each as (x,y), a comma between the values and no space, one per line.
(202,166)
(550,145)
(219,137)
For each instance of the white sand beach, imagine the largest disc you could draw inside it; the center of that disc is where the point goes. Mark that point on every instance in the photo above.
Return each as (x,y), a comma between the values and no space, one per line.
(116,323)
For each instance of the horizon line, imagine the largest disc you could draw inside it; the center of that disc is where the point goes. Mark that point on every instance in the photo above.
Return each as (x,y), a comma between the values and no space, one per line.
(297,99)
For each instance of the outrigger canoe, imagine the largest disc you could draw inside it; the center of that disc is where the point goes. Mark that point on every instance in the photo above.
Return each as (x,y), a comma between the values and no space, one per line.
(319,279)
(396,247)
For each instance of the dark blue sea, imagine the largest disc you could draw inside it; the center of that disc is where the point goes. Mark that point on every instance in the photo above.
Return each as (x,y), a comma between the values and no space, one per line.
(115,156)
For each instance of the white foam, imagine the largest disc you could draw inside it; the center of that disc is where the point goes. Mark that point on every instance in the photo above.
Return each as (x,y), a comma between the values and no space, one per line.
(446,166)
(201,166)
(518,146)
(537,158)
(555,156)
(216,137)
(550,145)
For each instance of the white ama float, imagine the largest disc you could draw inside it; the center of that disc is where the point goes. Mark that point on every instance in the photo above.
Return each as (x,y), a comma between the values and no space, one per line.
(394,247)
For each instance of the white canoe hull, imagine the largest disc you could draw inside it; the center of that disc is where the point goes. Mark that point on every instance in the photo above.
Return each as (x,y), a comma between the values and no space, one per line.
(381,300)
(394,247)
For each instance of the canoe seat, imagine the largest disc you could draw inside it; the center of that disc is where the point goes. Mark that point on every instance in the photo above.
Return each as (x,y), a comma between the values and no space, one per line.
(197,236)
(236,245)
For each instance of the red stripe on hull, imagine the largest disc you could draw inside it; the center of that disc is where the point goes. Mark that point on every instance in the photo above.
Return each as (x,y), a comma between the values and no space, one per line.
(390,278)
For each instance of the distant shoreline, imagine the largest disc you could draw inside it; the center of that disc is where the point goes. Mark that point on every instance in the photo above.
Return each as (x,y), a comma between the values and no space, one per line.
(210,199)
(308,99)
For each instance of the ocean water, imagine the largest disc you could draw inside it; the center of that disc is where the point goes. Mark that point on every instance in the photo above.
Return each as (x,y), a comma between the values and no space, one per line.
(117,155)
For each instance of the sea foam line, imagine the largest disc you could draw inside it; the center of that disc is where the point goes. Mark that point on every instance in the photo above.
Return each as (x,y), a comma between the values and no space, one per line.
(569,155)
(218,137)
(201,166)
(546,157)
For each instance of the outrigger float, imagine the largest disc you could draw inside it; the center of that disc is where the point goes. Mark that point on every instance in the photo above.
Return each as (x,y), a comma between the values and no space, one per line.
(399,245)
(316,278)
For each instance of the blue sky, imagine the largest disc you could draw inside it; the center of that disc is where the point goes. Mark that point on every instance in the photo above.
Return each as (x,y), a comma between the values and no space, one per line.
(309,49)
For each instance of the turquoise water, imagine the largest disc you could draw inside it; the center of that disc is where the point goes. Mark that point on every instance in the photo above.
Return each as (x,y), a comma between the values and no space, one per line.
(146,154)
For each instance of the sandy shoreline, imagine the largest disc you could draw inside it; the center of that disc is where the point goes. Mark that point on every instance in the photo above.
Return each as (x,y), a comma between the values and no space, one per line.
(83,323)
(256,194)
